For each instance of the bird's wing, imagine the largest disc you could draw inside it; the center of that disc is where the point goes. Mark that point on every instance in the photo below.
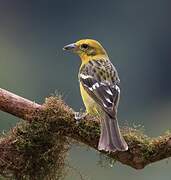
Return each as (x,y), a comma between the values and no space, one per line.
(102,87)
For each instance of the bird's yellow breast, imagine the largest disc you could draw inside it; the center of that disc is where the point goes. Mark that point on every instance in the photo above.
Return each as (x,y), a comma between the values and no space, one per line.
(90,104)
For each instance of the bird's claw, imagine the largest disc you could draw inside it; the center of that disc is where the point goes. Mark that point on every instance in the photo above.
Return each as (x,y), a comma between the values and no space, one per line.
(79,116)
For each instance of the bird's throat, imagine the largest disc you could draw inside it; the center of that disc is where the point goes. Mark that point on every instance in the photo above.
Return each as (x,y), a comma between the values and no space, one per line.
(86,58)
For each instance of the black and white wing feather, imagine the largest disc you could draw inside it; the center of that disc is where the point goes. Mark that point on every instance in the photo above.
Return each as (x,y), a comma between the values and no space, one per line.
(100,80)
(105,95)
(102,87)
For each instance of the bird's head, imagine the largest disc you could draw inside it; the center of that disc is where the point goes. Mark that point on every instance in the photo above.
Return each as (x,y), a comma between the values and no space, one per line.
(86,49)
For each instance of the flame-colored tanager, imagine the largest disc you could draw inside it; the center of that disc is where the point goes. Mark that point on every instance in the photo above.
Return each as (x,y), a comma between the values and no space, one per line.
(99,86)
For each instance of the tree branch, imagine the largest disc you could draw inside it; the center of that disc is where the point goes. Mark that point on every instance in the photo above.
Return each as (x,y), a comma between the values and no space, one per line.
(54,116)
(16,105)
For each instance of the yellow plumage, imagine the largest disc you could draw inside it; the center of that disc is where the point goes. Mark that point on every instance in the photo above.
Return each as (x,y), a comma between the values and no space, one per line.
(99,87)
(90,105)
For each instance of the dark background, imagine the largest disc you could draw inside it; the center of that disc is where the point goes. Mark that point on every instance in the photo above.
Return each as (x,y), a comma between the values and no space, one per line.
(137,37)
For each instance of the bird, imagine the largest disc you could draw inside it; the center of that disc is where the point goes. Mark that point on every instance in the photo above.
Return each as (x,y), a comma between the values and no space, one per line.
(100,91)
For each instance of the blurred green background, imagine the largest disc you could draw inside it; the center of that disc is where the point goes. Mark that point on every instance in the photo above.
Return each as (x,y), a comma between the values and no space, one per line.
(137,37)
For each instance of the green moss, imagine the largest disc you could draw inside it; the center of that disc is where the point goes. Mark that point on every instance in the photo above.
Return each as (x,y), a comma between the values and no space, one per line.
(39,150)
(143,144)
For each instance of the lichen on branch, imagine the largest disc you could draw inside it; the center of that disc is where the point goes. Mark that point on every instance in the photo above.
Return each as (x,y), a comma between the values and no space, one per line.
(40,143)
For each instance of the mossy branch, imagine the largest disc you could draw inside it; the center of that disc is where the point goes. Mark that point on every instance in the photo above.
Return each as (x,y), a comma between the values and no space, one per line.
(27,144)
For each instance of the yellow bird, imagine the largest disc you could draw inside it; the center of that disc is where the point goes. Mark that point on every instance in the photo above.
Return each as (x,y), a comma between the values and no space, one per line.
(99,86)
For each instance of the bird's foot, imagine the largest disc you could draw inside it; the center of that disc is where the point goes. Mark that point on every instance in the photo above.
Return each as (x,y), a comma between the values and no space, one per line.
(79,116)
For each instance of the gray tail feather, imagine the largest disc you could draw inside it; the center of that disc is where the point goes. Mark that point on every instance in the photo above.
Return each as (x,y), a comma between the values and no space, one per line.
(111,138)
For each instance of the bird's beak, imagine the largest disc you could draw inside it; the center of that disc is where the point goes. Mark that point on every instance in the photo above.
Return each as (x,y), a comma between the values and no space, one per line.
(70,47)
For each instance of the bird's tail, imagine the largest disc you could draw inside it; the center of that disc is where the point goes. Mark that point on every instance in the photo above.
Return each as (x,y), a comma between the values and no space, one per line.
(111,138)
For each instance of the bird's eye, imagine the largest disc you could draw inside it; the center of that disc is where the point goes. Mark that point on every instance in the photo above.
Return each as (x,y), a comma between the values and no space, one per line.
(84,46)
